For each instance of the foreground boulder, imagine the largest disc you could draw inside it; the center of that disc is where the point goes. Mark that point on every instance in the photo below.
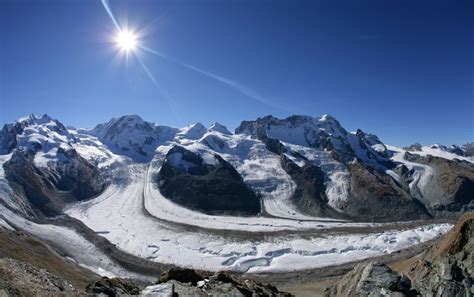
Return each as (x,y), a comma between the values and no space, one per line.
(112,287)
(373,279)
(189,282)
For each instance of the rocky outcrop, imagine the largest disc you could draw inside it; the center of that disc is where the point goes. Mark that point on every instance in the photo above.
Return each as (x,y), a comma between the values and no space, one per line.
(372,279)
(112,287)
(448,268)
(187,180)
(188,282)
(183,275)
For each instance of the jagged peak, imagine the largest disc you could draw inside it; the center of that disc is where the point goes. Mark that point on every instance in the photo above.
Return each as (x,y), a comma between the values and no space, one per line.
(34,119)
(326,123)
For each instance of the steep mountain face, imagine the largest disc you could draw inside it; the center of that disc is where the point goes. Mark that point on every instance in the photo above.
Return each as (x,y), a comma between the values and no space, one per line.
(299,167)
(186,179)
(44,170)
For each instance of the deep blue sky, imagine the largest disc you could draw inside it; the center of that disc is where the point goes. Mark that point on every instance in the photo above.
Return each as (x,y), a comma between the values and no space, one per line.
(400,69)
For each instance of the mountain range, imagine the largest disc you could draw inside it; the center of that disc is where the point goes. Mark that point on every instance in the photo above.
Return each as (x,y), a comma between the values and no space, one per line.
(298,167)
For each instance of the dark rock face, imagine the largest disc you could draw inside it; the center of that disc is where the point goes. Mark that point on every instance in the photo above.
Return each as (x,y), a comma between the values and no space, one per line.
(373,279)
(72,178)
(448,268)
(185,179)
(112,287)
(309,196)
(376,196)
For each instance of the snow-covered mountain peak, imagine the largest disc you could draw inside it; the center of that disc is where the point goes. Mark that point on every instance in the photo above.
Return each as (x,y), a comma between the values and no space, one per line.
(35,133)
(219,128)
(33,119)
(36,122)
(193,132)
(132,136)
(119,126)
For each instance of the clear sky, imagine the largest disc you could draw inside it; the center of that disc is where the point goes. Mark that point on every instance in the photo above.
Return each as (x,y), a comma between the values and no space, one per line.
(400,69)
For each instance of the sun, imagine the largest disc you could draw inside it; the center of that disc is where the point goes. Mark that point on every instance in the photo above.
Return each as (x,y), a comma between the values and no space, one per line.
(126,40)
